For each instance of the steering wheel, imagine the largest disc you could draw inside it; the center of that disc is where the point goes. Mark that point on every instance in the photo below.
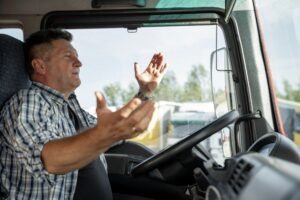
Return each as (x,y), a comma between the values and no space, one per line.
(185,144)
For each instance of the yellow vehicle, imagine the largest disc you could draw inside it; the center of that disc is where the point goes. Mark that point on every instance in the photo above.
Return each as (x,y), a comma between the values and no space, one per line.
(153,135)
(156,136)
(172,121)
(290,113)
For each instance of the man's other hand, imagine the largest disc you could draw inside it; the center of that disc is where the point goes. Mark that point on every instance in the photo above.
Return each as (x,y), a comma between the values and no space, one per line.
(127,122)
(151,77)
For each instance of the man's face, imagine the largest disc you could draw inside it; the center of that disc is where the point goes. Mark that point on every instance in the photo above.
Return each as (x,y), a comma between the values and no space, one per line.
(62,67)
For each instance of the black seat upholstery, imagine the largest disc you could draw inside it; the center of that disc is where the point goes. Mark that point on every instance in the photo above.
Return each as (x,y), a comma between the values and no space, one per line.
(13,75)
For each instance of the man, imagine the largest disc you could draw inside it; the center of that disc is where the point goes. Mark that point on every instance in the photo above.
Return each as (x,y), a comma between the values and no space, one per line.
(47,137)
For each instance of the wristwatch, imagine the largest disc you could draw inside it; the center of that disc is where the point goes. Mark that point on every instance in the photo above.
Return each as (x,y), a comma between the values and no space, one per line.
(142,96)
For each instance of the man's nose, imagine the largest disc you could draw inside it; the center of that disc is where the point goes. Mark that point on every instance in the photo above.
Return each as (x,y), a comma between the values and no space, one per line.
(77,62)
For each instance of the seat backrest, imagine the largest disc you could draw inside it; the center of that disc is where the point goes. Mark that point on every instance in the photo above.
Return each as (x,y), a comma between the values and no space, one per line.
(13,75)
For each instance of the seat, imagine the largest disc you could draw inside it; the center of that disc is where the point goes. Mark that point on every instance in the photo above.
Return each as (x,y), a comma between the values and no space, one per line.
(13,75)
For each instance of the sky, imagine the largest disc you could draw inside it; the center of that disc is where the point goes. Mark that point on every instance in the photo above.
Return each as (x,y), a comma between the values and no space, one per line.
(280,22)
(108,55)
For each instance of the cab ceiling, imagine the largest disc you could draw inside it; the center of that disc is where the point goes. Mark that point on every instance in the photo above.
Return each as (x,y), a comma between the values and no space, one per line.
(28,13)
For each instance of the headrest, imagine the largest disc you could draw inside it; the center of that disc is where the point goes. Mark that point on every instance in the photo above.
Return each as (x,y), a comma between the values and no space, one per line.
(13,75)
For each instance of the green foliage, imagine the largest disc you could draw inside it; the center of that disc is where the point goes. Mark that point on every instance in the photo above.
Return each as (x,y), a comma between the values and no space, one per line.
(290,93)
(196,88)
(113,93)
(128,93)
(169,89)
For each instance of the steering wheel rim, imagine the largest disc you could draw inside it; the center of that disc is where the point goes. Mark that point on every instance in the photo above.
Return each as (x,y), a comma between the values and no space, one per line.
(186,143)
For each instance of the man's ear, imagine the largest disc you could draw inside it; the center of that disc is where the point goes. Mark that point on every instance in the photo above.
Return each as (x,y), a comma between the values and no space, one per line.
(39,66)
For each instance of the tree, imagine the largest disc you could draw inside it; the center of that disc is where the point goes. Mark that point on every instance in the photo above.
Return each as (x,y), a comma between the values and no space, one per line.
(195,86)
(169,89)
(290,93)
(194,89)
(113,94)
(129,93)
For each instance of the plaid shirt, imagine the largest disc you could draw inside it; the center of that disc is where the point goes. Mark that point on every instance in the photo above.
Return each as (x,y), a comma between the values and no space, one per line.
(30,119)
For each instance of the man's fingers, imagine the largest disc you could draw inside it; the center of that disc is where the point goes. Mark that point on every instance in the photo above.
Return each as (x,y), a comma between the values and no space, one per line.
(136,69)
(154,58)
(131,106)
(145,120)
(136,116)
(159,61)
(163,69)
(101,102)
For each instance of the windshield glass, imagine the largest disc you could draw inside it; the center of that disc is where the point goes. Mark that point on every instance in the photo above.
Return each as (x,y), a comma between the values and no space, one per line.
(280,22)
(184,97)
(190,4)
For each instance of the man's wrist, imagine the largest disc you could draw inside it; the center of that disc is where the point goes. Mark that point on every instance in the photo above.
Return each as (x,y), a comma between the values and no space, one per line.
(143,96)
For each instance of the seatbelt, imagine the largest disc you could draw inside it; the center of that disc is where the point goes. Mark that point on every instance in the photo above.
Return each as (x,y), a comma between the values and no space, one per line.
(76,122)
(3,192)
(93,183)
(92,180)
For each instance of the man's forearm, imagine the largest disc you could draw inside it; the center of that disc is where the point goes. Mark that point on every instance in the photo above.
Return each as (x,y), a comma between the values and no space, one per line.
(67,154)
(71,153)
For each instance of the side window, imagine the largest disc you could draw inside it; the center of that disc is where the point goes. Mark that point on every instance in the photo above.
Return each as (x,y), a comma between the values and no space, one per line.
(282,38)
(14,32)
(190,95)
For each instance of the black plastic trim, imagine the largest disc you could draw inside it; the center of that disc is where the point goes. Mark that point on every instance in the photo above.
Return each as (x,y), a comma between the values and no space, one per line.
(126,18)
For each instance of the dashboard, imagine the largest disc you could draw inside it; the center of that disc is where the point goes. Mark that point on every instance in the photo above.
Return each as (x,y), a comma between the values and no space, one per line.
(268,170)
(260,173)
(254,176)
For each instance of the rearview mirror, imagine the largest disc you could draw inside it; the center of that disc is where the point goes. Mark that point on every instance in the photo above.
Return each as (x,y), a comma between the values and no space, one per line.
(219,60)
(225,141)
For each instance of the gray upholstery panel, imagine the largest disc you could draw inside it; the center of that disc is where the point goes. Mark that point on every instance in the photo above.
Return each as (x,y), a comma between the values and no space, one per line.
(13,75)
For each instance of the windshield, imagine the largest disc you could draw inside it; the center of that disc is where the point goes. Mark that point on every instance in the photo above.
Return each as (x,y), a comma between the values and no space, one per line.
(190,4)
(184,98)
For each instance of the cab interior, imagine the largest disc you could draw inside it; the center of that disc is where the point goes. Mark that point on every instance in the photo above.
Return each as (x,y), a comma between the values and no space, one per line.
(219,136)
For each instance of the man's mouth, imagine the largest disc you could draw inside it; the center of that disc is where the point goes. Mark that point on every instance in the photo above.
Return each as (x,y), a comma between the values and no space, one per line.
(75,73)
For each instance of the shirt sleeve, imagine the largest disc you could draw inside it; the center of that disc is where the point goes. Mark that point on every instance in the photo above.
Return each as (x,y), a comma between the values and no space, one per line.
(32,129)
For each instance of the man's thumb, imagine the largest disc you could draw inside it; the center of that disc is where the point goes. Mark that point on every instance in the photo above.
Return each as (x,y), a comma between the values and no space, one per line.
(101,102)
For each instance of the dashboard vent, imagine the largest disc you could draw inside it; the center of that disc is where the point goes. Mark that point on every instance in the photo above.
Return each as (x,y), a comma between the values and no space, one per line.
(239,176)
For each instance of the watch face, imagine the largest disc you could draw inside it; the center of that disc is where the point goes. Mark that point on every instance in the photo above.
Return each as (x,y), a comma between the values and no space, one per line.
(142,96)
(212,193)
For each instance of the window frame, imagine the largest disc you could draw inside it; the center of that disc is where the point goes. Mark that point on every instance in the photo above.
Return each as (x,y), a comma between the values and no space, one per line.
(142,17)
